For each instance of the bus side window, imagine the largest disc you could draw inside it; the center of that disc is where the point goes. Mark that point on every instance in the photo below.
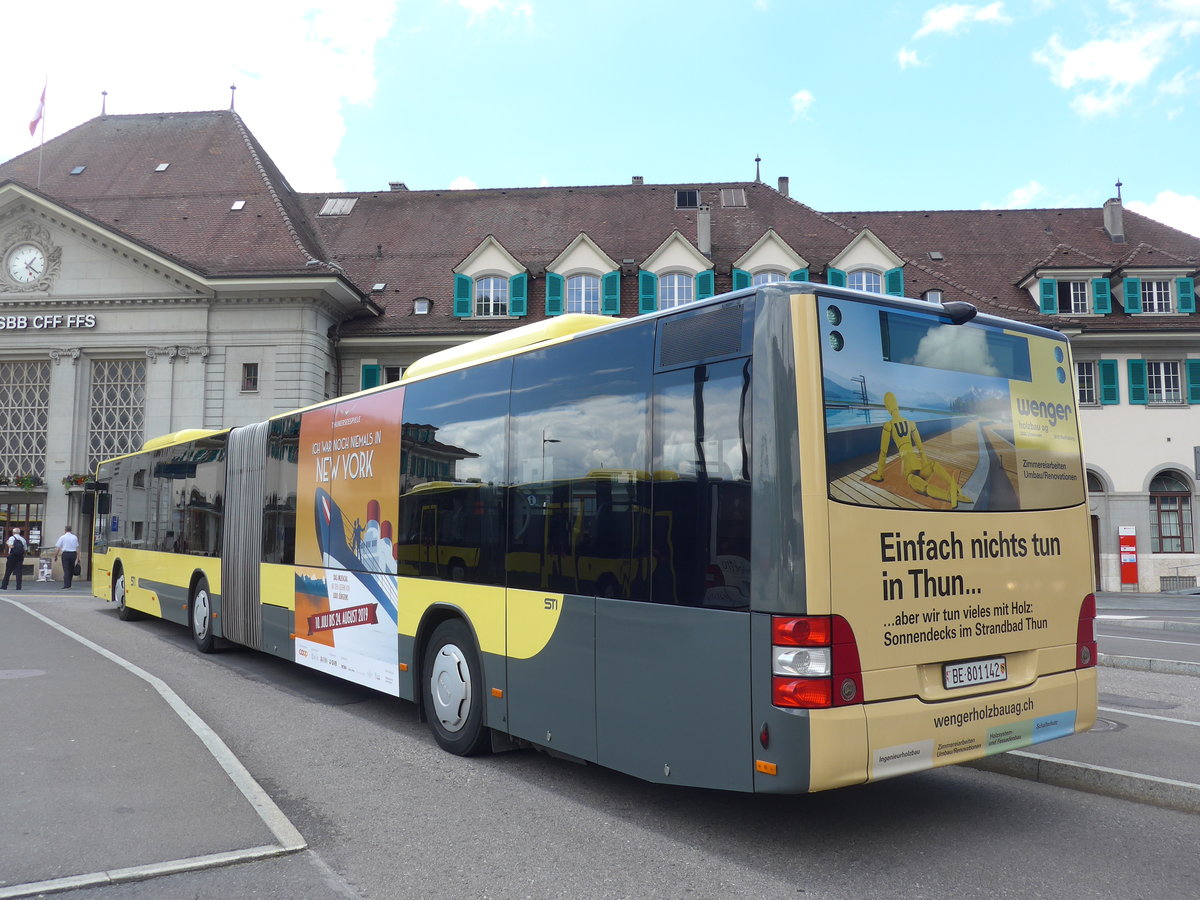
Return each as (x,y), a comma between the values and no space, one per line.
(451,512)
(579,461)
(701,488)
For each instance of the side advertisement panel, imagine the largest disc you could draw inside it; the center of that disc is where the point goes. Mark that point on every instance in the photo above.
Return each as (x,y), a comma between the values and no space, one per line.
(349,485)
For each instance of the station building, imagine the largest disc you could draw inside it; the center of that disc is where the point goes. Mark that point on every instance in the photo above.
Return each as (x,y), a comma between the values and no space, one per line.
(159,273)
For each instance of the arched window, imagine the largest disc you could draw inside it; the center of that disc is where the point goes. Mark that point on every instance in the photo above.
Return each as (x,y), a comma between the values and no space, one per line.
(1094,484)
(1170,513)
(865,280)
(491,296)
(675,290)
(583,294)
(769,276)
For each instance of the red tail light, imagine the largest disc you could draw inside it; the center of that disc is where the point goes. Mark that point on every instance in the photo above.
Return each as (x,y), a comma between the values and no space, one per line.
(814,662)
(1085,640)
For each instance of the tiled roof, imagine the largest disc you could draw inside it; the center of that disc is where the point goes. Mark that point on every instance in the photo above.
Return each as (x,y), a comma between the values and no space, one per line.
(185,210)
(411,241)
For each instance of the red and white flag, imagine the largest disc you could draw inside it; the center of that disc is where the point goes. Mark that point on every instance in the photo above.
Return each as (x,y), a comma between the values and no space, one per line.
(37,115)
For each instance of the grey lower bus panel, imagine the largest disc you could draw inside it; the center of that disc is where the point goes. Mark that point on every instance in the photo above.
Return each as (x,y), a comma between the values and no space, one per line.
(552,697)
(673,694)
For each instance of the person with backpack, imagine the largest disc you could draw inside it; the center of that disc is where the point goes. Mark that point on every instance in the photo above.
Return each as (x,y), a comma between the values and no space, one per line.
(17,545)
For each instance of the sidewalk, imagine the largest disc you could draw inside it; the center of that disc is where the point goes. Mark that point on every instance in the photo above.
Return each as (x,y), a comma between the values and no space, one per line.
(1142,754)
(98,758)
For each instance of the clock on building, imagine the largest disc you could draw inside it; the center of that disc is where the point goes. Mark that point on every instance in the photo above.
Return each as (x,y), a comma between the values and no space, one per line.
(25,264)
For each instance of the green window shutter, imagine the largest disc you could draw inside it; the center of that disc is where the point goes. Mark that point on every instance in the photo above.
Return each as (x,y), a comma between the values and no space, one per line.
(371,376)
(1049,296)
(1193,380)
(555,285)
(706,284)
(1185,289)
(610,293)
(464,287)
(893,282)
(1110,388)
(798,275)
(1133,298)
(741,279)
(835,277)
(1137,381)
(1101,296)
(518,294)
(647,291)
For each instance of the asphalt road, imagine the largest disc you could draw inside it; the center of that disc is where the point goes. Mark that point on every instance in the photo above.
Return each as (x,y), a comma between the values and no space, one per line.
(98,771)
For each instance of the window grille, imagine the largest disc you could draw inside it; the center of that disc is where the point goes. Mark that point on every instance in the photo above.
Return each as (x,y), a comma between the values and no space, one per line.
(24,416)
(117,416)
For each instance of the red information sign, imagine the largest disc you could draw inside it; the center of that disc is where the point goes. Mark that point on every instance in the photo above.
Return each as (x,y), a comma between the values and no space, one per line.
(1127,543)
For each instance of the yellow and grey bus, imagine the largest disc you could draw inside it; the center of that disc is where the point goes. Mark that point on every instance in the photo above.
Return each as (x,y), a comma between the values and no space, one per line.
(786,539)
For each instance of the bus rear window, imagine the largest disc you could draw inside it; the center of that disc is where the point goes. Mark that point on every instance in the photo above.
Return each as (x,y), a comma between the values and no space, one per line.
(919,341)
(923,414)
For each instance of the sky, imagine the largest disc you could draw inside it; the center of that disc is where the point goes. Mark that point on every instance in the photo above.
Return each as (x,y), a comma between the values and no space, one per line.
(862,104)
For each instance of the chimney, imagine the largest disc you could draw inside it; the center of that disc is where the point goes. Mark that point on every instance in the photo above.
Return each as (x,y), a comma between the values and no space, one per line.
(1114,220)
(637,179)
(783,185)
(704,230)
(397,186)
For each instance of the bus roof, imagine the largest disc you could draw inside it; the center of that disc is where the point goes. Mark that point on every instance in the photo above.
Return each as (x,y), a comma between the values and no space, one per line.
(494,345)
(179,437)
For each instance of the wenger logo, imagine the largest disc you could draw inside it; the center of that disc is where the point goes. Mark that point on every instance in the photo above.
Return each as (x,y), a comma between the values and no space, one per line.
(1043,409)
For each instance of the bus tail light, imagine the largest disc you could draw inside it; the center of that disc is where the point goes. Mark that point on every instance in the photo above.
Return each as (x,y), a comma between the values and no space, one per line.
(1085,641)
(814,662)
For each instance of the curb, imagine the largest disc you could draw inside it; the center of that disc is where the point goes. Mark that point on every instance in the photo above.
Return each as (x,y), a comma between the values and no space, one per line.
(1152,624)
(1150,789)
(1142,664)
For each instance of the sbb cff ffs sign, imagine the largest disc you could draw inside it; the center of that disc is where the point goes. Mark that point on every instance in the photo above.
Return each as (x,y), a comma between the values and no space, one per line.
(1127,545)
(41,322)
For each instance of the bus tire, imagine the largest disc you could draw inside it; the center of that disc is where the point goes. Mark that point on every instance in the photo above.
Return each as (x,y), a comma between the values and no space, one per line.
(124,613)
(200,616)
(452,690)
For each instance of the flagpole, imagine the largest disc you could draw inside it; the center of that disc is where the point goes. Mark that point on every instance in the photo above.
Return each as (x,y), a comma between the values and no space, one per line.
(42,145)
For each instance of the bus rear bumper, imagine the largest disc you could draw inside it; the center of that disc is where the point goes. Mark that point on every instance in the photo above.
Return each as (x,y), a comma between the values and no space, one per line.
(910,735)
(855,744)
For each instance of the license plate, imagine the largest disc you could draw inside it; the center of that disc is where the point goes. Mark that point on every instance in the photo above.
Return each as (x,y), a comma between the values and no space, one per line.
(978,671)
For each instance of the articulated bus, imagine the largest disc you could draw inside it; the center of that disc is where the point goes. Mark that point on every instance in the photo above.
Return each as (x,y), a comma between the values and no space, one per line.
(782,540)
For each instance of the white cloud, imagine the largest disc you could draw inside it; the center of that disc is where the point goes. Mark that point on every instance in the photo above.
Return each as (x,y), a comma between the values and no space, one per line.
(1177,210)
(1018,198)
(1104,73)
(463,183)
(908,58)
(292,60)
(950,18)
(801,101)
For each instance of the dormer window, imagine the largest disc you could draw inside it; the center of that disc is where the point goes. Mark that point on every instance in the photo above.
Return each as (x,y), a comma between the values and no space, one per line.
(865,280)
(1156,294)
(1074,296)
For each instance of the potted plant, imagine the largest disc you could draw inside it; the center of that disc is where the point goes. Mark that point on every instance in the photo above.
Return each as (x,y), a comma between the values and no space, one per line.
(27,481)
(76,479)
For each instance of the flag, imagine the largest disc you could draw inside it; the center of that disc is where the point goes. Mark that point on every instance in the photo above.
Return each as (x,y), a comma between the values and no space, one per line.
(37,115)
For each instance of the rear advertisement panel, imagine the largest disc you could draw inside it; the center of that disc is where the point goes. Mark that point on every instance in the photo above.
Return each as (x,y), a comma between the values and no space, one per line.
(960,613)
(346,591)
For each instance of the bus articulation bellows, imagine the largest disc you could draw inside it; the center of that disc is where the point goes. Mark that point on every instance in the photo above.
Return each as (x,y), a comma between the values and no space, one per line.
(783,540)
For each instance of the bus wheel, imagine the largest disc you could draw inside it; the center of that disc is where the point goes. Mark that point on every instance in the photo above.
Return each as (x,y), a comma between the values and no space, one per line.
(124,613)
(452,690)
(200,617)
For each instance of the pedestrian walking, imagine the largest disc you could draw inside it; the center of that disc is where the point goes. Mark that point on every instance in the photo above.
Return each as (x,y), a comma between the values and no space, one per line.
(68,547)
(15,561)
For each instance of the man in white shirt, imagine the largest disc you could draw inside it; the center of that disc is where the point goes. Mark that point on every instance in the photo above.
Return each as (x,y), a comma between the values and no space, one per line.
(68,546)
